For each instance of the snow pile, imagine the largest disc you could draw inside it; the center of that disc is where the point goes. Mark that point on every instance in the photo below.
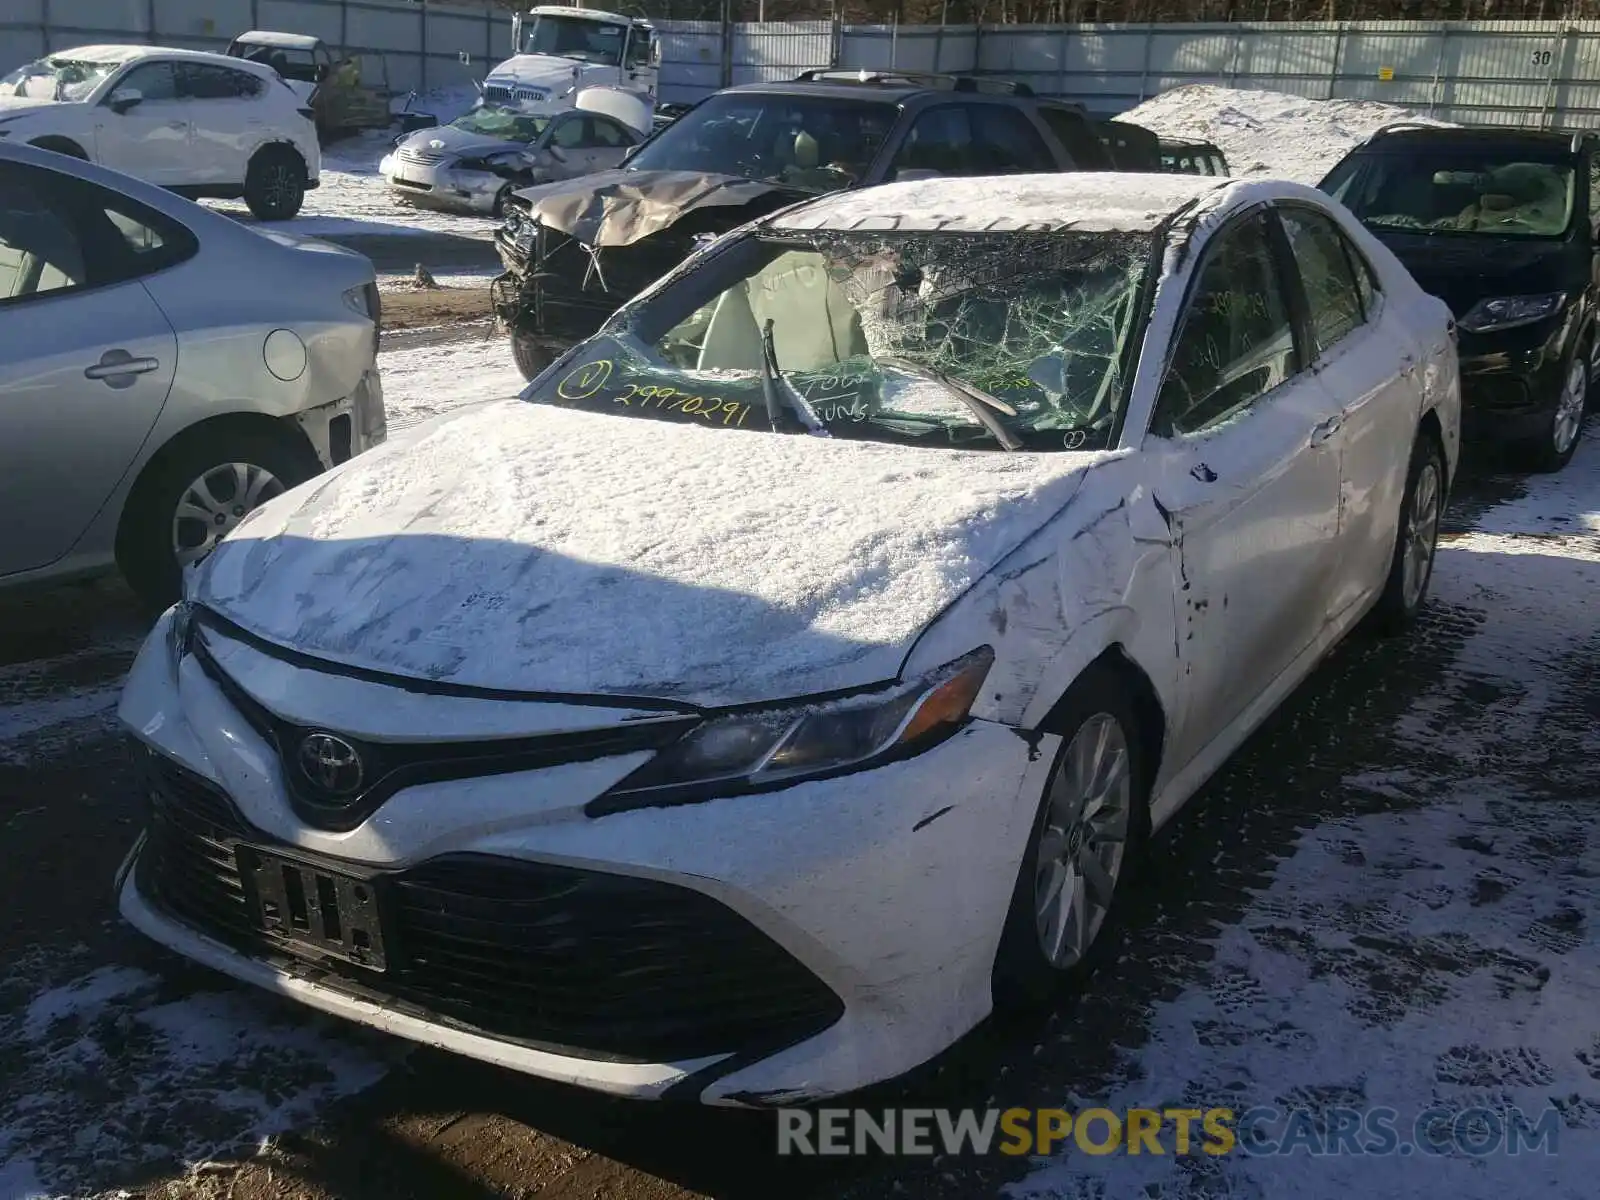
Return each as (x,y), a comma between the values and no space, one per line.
(1268,133)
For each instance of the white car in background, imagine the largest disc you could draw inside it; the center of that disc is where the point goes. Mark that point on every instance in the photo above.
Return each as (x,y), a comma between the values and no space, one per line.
(163,370)
(477,161)
(790,678)
(202,125)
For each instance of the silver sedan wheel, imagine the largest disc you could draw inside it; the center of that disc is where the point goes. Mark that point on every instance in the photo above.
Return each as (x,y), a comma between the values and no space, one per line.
(1421,535)
(1570,406)
(215,503)
(1084,839)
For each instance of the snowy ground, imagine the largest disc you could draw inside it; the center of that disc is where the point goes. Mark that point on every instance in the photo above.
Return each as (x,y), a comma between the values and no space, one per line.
(1268,133)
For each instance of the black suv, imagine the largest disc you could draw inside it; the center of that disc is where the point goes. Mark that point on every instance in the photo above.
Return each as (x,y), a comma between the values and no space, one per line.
(575,251)
(1499,223)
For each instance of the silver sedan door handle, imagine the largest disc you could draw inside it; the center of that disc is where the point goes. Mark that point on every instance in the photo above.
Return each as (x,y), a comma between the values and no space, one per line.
(1321,433)
(118,367)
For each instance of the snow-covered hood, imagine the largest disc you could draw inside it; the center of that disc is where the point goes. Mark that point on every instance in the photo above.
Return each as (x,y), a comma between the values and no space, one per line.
(21,106)
(446,139)
(546,71)
(523,547)
(617,208)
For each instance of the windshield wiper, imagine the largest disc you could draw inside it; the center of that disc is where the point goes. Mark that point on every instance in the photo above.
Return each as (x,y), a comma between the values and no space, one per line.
(983,405)
(782,397)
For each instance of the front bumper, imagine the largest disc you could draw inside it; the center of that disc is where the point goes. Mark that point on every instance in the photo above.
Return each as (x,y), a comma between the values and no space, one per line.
(1512,380)
(442,186)
(806,942)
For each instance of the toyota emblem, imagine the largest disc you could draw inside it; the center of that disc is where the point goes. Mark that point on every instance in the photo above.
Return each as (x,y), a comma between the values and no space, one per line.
(331,763)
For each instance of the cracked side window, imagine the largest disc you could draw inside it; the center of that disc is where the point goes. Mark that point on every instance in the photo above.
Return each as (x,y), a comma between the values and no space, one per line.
(1236,341)
(1330,285)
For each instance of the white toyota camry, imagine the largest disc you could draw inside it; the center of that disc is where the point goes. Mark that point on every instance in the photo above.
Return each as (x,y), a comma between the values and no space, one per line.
(790,677)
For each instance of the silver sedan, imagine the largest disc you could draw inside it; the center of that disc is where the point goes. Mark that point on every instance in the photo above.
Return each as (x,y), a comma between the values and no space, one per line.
(476,161)
(163,371)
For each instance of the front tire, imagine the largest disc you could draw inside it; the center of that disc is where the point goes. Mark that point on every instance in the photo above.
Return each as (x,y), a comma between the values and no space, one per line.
(530,354)
(191,498)
(1559,442)
(1417,541)
(275,183)
(1089,829)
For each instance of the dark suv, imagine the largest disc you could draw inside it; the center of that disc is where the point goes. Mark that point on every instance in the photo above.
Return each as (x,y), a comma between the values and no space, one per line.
(1500,224)
(575,251)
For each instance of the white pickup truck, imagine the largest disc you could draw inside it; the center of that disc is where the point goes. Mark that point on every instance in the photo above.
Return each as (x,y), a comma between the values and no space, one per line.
(562,52)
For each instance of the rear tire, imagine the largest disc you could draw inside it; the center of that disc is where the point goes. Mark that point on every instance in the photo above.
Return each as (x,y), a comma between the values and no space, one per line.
(1416,542)
(162,529)
(1095,806)
(275,183)
(530,355)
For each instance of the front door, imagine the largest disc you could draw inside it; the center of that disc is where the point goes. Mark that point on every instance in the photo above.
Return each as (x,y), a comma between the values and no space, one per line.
(1246,459)
(151,140)
(86,357)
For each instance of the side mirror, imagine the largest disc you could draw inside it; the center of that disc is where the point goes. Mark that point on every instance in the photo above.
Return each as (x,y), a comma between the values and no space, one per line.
(321,72)
(655,52)
(125,98)
(557,153)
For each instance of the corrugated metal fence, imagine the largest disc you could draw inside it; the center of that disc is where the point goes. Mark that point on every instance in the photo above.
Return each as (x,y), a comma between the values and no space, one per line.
(1481,72)
(412,45)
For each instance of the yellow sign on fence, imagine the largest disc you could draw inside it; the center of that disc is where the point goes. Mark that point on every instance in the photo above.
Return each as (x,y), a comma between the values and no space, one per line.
(1386,74)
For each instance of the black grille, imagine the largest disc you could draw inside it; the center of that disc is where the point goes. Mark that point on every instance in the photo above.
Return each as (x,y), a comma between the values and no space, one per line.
(584,962)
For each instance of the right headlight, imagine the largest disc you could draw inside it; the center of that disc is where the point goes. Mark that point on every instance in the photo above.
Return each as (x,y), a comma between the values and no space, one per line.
(775,747)
(1509,312)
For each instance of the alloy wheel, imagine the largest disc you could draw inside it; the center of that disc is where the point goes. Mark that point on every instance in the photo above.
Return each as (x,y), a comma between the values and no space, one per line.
(1569,407)
(1421,535)
(280,186)
(1084,840)
(214,504)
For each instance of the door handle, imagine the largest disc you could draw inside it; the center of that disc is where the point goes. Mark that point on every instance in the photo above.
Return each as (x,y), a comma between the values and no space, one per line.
(118,367)
(1321,433)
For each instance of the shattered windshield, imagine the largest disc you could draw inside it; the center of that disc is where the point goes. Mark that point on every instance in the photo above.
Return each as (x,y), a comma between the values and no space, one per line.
(810,143)
(504,123)
(575,37)
(1457,190)
(56,79)
(1015,340)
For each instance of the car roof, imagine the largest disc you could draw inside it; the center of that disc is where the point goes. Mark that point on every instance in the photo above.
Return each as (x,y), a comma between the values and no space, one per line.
(270,37)
(1400,135)
(121,54)
(891,89)
(1135,203)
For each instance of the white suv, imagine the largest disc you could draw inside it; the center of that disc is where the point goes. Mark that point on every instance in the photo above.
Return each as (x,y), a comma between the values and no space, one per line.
(199,124)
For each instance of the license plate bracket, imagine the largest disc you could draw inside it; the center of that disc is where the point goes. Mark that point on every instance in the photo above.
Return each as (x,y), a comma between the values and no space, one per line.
(313,910)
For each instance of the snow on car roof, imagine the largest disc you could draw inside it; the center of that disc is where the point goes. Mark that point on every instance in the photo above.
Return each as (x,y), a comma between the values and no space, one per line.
(593,14)
(1081,200)
(118,54)
(289,41)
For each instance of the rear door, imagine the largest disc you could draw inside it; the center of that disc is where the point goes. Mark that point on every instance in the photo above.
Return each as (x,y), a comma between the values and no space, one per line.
(229,119)
(150,140)
(1368,366)
(86,356)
